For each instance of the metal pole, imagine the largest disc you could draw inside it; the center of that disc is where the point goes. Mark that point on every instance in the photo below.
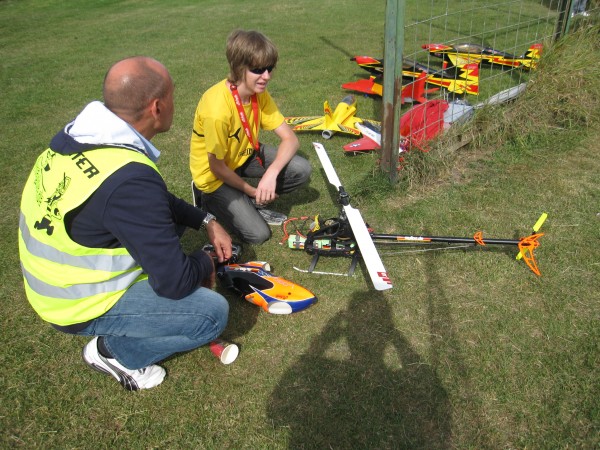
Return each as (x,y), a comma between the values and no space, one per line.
(564,14)
(392,86)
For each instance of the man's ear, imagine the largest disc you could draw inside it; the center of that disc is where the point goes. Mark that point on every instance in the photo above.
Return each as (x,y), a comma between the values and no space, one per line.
(155,108)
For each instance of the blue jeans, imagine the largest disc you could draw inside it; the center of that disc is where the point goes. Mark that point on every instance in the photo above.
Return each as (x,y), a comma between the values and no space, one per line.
(578,6)
(234,209)
(143,328)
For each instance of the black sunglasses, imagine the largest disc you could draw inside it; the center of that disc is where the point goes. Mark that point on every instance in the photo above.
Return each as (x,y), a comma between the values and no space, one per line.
(261,70)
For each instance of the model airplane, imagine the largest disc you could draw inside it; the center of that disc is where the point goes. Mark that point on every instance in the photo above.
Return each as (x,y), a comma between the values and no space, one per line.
(418,125)
(423,122)
(412,92)
(341,120)
(460,54)
(375,67)
(460,80)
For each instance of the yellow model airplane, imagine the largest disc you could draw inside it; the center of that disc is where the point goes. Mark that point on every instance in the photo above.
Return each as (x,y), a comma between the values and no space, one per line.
(341,120)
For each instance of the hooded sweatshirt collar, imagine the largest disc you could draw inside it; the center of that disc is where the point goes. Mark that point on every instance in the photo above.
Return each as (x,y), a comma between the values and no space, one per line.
(98,127)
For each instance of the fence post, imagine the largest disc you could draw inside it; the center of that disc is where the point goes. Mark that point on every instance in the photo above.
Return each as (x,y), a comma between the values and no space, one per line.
(564,14)
(392,86)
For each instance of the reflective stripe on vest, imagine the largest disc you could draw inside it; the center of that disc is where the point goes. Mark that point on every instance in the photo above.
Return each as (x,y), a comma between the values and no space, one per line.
(79,291)
(116,263)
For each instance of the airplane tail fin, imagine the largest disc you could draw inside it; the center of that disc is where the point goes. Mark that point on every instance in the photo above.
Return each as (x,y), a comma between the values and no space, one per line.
(470,73)
(423,122)
(327,108)
(415,90)
(532,56)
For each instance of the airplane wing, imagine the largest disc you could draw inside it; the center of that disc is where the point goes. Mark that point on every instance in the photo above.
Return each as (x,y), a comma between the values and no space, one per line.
(366,86)
(467,80)
(354,126)
(347,128)
(370,64)
(312,123)
(413,91)
(371,140)
(302,123)
(364,144)
(456,56)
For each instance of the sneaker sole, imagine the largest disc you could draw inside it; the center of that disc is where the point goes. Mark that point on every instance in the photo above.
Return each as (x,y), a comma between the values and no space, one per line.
(273,221)
(124,379)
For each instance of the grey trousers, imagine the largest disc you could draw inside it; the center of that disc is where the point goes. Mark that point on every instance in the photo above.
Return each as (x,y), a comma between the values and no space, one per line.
(235,210)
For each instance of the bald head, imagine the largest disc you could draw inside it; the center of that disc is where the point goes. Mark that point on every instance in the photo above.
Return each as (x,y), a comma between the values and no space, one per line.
(131,84)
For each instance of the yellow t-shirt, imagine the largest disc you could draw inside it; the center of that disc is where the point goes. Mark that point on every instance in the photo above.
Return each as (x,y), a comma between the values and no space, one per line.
(218,130)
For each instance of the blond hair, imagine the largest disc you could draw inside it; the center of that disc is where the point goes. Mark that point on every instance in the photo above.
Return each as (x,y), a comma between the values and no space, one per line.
(248,50)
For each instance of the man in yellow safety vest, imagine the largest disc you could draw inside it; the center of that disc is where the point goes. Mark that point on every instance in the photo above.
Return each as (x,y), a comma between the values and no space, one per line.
(99,235)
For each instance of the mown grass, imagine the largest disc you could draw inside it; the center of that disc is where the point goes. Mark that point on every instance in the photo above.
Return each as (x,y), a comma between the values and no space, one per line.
(469,350)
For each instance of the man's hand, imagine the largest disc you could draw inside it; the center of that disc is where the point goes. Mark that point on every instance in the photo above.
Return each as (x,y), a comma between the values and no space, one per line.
(220,240)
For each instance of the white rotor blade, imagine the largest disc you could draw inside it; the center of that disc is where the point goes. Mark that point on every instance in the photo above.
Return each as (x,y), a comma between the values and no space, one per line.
(327,166)
(375,267)
(364,241)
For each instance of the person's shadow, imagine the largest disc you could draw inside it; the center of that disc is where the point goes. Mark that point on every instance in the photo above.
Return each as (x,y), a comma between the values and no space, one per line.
(362,385)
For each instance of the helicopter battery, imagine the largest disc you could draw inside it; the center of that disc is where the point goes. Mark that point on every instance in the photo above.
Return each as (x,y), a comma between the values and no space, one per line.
(329,246)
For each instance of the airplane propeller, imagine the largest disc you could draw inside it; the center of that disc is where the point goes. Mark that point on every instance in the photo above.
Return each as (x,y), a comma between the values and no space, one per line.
(362,236)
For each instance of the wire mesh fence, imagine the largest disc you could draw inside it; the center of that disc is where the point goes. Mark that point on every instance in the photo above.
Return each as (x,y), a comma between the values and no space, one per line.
(468,53)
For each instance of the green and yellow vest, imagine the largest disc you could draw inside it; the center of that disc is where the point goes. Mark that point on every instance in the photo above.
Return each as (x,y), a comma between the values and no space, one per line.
(65,282)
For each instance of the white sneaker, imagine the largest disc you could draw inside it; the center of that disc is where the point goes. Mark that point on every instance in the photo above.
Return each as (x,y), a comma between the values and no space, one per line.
(272,217)
(132,380)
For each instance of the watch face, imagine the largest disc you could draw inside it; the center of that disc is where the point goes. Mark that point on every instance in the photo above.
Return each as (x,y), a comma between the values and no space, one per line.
(209,217)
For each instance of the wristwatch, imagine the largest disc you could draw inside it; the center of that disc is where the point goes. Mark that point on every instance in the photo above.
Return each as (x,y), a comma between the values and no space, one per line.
(208,218)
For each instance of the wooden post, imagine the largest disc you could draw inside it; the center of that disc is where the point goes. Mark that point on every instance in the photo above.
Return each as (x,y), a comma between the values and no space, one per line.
(392,86)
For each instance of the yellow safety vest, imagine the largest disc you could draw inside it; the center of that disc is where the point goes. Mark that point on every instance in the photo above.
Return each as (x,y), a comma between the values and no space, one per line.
(65,282)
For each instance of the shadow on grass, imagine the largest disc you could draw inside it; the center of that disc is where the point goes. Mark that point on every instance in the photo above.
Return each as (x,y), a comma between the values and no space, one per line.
(447,351)
(362,385)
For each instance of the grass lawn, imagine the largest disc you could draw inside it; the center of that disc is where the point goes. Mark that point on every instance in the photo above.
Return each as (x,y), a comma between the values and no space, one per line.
(468,350)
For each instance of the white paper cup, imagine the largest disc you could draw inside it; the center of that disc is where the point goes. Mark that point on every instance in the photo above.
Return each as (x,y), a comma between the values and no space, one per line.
(225,351)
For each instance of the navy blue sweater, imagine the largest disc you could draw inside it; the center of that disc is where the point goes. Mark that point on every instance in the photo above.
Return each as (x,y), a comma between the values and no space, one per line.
(134,209)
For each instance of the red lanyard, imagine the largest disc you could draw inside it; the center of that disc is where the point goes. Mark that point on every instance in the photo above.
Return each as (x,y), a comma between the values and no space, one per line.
(238,104)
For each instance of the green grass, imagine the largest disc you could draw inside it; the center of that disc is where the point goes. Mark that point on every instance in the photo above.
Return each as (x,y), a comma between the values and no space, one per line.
(469,350)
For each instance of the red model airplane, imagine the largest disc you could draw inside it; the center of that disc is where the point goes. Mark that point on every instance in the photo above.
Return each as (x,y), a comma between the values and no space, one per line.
(411,92)
(423,122)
